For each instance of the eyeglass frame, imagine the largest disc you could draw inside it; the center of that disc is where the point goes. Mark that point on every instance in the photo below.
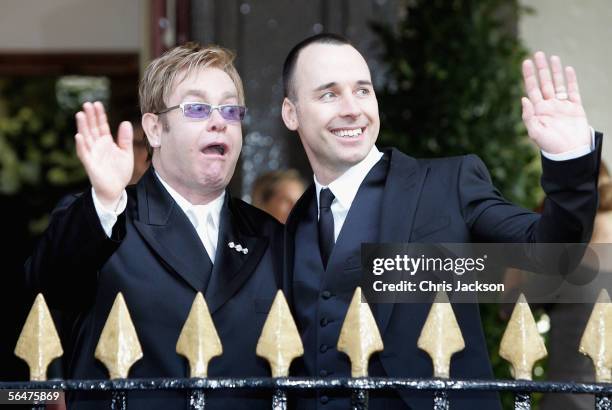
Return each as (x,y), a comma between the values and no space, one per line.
(212,108)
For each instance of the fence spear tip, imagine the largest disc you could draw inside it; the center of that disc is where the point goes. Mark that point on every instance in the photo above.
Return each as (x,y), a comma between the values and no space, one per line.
(199,341)
(38,343)
(359,336)
(280,340)
(596,341)
(522,345)
(441,336)
(118,347)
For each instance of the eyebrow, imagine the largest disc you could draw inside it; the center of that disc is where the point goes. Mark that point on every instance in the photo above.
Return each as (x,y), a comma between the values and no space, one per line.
(326,86)
(333,84)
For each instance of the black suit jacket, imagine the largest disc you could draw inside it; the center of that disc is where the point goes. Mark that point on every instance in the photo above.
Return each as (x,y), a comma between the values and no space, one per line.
(453,200)
(155,258)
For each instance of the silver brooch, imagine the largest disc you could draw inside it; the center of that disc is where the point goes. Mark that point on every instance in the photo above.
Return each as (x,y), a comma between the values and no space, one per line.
(238,247)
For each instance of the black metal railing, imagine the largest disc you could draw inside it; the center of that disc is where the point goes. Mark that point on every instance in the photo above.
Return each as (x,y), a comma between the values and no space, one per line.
(280,386)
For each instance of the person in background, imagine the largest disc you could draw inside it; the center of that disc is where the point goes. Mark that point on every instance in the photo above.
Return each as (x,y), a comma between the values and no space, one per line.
(277,191)
(568,320)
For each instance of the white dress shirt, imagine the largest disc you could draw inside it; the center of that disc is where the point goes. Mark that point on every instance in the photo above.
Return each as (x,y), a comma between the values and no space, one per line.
(204,218)
(345,187)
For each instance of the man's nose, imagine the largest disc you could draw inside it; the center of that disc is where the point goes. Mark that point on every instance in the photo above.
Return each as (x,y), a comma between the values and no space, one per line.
(216,123)
(350,107)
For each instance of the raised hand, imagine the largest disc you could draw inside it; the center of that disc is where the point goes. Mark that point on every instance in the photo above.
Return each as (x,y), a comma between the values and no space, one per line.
(552,110)
(108,164)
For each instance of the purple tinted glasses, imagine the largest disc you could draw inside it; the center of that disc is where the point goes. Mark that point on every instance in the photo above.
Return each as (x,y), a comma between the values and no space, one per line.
(201,111)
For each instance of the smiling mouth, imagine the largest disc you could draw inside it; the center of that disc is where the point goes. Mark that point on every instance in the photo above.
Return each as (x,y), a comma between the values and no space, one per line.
(215,149)
(348,133)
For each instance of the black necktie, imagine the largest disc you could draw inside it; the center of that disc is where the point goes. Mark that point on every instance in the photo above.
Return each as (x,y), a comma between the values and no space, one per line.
(326,225)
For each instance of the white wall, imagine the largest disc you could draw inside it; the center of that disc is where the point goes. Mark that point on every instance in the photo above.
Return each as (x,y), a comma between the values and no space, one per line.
(71,25)
(580,32)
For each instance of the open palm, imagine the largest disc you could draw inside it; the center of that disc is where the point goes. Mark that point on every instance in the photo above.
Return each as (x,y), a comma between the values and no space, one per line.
(108,164)
(552,111)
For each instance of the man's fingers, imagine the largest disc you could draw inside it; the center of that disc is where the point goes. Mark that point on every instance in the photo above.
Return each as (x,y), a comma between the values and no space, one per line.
(92,123)
(546,84)
(80,149)
(531,82)
(102,120)
(528,110)
(572,85)
(532,123)
(557,74)
(125,136)
(83,148)
(82,126)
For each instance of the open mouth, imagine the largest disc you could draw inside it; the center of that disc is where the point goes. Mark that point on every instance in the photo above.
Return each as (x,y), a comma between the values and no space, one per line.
(215,149)
(348,132)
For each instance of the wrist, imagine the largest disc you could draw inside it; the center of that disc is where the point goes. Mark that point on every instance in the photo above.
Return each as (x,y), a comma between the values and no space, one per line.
(108,201)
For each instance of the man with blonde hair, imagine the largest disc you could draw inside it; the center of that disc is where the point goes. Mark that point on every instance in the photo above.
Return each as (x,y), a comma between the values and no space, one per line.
(173,234)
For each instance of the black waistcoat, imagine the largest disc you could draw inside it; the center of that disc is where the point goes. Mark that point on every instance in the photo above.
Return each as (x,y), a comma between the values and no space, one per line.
(321,298)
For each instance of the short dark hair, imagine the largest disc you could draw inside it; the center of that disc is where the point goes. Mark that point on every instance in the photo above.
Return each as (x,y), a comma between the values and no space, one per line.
(266,185)
(291,60)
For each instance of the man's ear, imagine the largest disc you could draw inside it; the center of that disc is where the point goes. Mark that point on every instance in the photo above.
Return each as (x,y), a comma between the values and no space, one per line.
(289,113)
(152,126)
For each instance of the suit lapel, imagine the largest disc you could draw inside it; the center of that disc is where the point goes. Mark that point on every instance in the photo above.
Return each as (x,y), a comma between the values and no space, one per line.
(166,228)
(298,213)
(232,267)
(403,186)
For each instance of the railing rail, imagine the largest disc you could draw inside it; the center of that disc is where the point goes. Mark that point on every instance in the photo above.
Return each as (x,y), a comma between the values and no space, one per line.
(279,343)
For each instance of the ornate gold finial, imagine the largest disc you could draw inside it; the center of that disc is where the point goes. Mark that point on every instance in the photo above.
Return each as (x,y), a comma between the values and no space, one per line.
(521,344)
(199,341)
(596,340)
(359,336)
(441,336)
(38,343)
(280,341)
(118,347)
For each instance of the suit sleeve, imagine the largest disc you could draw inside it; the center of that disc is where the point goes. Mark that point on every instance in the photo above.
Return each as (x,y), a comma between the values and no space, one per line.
(65,263)
(568,212)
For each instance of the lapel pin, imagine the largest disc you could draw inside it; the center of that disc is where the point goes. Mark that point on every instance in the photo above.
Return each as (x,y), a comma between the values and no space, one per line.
(238,247)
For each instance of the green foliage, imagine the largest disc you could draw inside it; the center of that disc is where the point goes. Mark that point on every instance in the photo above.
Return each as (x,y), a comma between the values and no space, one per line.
(454,87)
(38,163)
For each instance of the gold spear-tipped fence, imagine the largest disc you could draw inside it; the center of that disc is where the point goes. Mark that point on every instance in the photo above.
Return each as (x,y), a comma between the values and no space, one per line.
(38,343)
(199,342)
(118,347)
(359,339)
(522,346)
(596,342)
(441,338)
(280,343)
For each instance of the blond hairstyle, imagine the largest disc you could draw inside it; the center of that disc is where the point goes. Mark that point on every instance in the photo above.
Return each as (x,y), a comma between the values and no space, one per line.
(176,64)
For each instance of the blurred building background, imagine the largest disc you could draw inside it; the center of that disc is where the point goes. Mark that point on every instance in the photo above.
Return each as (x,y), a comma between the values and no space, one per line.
(54,54)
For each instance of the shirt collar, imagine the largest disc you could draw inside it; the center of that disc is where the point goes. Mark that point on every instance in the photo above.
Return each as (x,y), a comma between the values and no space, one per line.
(345,187)
(196,213)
